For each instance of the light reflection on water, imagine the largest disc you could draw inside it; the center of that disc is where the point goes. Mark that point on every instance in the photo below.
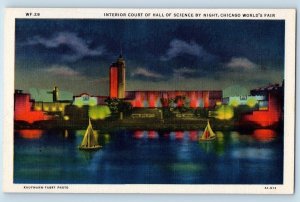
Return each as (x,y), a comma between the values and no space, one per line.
(153,157)
(31,134)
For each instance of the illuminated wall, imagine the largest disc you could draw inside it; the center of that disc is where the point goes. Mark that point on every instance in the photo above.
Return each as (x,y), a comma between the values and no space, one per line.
(113,87)
(193,99)
(23,109)
(50,106)
(270,116)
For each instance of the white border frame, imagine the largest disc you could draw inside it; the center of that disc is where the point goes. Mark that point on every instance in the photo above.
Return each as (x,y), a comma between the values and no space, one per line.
(289,15)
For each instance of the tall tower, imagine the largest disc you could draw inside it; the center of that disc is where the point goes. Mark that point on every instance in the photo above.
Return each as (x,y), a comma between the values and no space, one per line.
(55,94)
(117,78)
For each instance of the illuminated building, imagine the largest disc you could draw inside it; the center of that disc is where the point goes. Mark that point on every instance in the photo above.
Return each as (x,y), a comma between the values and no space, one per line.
(193,99)
(273,113)
(51,107)
(84,99)
(49,102)
(117,79)
(161,98)
(23,109)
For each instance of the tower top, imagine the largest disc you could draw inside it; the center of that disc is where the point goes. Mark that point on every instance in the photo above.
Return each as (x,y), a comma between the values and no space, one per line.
(121,59)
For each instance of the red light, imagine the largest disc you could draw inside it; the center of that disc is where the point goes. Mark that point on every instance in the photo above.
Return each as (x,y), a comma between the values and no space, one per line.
(179,102)
(23,110)
(152,134)
(179,135)
(113,82)
(269,117)
(206,99)
(193,135)
(194,103)
(152,100)
(138,134)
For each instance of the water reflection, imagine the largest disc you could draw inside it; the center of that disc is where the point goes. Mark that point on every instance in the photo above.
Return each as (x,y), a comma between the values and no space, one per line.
(207,146)
(264,135)
(153,157)
(66,134)
(152,134)
(253,153)
(193,135)
(31,134)
(138,134)
(106,138)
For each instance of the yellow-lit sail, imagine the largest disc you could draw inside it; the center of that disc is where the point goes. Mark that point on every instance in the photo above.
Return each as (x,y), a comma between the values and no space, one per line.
(208,133)
(89,140)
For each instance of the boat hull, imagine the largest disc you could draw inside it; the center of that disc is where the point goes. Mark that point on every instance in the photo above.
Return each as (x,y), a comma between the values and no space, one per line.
(96,147)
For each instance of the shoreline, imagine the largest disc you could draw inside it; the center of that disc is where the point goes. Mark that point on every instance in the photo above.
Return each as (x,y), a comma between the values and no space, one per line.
(159,125)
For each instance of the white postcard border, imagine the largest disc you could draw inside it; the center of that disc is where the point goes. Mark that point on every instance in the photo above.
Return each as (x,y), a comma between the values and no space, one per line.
(75,13)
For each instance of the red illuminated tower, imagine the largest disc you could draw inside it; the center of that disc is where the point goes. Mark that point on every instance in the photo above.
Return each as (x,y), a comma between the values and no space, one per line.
(117,79)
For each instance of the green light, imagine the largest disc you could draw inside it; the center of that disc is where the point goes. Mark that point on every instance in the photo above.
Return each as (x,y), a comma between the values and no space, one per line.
(99,112)
(251,102)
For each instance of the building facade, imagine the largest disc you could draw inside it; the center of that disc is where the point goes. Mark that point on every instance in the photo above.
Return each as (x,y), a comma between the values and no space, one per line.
(273,113)
(156,99)
(24,109)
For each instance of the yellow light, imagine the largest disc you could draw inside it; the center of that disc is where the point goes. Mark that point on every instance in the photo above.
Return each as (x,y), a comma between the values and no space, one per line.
(218,103)
(224,112)
(106,138)
(92,102)
(220,135)
(234,103)
(99,112)
(66,118)
(38,108)
(251,102)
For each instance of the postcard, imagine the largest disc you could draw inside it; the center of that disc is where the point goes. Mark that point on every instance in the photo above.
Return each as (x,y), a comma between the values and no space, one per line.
(120,100)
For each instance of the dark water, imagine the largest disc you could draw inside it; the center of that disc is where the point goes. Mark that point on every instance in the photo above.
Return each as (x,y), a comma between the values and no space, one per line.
(149,157)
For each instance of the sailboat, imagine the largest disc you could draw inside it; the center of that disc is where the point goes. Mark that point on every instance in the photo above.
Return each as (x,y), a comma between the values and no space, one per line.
(89,141)
(208,133)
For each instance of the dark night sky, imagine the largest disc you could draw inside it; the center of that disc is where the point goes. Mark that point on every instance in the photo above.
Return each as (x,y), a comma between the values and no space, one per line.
(159,54)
